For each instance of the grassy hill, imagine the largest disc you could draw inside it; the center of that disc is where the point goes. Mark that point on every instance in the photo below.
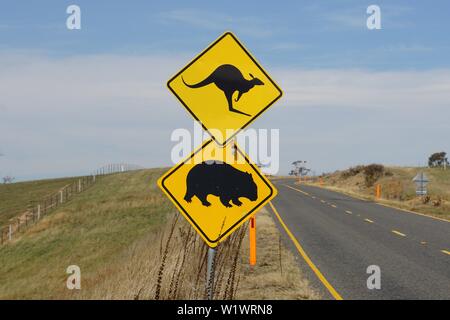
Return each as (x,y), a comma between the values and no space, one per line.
(89,231)
(397,188)
(15,197)
(129,243)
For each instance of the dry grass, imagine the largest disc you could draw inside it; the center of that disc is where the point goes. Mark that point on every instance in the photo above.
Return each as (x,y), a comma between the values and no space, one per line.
(166,265)
(276,274)
(176,268)
(398,189)
(171,264)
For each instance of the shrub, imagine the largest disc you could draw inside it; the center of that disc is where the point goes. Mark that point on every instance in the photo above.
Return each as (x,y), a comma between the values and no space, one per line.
(353,171)
(372,173)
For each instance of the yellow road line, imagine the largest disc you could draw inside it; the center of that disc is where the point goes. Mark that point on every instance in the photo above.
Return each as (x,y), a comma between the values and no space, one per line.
(445,251)
(368,220)
(349,212)
(302,252)
(305,193)
(399,233)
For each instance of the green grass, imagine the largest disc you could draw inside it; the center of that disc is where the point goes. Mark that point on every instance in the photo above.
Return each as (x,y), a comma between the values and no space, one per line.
(15,197)
(92,231)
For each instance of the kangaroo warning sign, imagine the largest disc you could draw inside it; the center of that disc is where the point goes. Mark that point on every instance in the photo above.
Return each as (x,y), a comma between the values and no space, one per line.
(224,88)
(217,189)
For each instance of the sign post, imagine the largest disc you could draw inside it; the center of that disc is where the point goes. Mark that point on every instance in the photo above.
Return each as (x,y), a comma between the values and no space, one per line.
(217,188)
(211,266)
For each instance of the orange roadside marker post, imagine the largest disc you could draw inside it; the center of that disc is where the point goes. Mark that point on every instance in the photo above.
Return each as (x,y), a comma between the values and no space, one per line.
(378,191)
(252,236)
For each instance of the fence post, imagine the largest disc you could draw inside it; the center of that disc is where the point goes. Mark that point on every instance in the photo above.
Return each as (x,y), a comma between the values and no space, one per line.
(61,197)
(9,233)
(79,185)
(39,212)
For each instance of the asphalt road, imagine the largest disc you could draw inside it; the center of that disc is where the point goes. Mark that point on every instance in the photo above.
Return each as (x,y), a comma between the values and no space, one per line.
(343,236)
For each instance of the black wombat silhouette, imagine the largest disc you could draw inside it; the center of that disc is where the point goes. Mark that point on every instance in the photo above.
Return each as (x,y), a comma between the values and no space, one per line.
(229,79)
(219,179)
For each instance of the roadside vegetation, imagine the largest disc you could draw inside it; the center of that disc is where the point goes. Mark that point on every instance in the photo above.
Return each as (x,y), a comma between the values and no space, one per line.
(129,243)
(397,187)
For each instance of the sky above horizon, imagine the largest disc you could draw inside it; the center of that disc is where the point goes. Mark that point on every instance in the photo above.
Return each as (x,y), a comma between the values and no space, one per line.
(74,100)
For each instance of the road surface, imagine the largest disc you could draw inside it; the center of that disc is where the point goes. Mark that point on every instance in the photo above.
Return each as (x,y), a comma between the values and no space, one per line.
(339,237)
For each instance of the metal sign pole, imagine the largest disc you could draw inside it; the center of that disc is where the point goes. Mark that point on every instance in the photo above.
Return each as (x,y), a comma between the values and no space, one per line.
(211,265)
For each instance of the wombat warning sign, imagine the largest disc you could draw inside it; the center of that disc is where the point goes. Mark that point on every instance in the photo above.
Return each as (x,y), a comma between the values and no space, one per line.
(222,180)
(217,190)
(224,88)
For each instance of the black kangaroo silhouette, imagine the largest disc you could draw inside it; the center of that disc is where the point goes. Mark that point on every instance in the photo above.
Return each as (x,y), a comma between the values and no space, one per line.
(229,79)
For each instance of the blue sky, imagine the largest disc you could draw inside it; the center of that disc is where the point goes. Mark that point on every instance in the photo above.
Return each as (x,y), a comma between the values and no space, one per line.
(71,101)
(308,34)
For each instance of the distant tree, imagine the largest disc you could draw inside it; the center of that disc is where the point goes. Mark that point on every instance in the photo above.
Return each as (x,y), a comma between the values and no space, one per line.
(8,179)
(438,159)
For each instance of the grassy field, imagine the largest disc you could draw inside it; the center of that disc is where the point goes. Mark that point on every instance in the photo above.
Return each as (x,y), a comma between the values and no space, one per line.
(15,197)
(129,244)
(398,189)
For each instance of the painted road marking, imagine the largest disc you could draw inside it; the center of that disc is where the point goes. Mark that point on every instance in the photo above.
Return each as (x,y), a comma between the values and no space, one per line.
(302,252)
(306,193)
(322,201)
(334,206)
(399,233)
(348,211)
(416,213)
(368,220)
(385,205)
(446,252)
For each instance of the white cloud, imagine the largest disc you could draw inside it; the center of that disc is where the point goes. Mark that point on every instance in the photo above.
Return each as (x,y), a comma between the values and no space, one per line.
(366,89)
(69,115)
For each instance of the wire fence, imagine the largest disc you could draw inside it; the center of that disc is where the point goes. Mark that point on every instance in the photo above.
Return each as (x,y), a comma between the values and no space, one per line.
(38,209)
(116,168)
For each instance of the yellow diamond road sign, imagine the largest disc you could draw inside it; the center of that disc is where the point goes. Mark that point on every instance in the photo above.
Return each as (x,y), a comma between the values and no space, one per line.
(217,189)
(224,88)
